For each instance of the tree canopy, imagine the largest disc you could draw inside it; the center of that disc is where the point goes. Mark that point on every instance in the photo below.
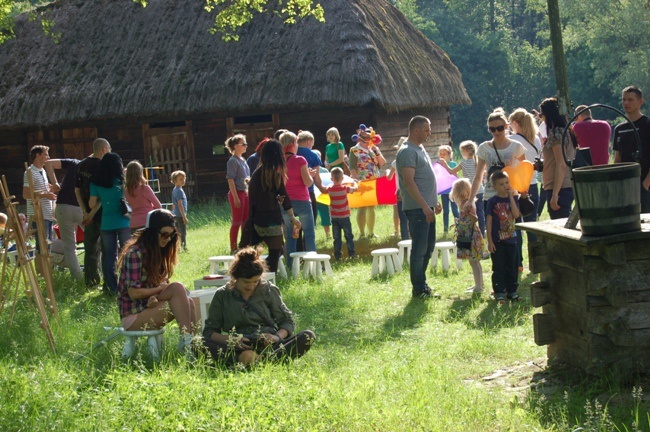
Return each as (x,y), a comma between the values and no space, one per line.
(503,50)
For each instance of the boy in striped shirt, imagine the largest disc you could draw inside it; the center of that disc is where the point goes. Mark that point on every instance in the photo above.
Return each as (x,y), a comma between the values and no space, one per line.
(340,211)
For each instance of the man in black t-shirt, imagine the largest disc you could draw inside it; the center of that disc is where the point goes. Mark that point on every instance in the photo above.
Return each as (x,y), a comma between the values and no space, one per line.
(92,223)
(625,143)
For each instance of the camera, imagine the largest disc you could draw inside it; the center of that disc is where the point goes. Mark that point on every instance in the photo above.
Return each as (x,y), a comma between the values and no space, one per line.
(538,164)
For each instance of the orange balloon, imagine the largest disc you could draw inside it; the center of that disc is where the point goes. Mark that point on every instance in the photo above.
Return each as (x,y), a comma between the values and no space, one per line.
(520,175)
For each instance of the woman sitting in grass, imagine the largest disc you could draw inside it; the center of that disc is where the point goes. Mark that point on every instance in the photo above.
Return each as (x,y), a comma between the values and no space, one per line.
(251,310)
(146,299)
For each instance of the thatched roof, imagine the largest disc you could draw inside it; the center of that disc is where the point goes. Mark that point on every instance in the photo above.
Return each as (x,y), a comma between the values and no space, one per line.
(115,59)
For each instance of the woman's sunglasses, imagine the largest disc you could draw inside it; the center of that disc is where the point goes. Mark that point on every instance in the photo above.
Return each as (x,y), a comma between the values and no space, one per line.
(497,129)
(168,235)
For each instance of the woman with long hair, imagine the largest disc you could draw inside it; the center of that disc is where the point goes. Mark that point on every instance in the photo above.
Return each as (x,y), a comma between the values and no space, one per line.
(248,318)
(139,195)
(556,177)
(107,190)
(146,298)
(500,151)
(524,128)
(268,196)
(297,185)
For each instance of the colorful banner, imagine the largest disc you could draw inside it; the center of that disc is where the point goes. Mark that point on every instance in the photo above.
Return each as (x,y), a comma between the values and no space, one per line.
(380,191)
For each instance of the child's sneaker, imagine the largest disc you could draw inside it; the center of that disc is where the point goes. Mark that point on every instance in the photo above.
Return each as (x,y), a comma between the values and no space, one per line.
(514,297)
(500,298)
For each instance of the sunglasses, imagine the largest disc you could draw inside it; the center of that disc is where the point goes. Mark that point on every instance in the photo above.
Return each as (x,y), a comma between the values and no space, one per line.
(168,235)
(243,144)
(497,129)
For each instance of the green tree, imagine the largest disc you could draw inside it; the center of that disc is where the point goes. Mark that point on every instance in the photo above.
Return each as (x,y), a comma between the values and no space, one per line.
(230,16)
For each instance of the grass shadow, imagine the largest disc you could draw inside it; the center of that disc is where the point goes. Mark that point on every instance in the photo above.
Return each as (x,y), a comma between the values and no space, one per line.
(412,316)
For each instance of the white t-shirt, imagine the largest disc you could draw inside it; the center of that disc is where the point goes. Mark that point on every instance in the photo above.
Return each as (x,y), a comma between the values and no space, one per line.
(509,156)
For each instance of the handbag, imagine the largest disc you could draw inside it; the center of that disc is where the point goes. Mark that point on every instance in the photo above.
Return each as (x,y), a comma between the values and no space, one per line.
(526,205)
(498,167)
(346,167)
(125,208)
(465,242)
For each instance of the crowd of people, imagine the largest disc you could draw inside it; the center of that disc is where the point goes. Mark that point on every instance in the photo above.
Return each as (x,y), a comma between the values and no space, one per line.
(272,196)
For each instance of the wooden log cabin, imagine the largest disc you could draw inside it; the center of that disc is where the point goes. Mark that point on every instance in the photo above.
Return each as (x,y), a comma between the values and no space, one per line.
(163,90)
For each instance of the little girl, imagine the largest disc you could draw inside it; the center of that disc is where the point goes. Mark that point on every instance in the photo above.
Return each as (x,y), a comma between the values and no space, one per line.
(468,165)
(466,227)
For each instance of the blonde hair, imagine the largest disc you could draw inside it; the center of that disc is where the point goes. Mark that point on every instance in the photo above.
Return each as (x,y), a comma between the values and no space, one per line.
(460,191)
(334,131)
(305,136)
(337,174)
(498,114)
(527,123)
(134,177)
(469,147)
(176,174)
(446,148)
(287,138)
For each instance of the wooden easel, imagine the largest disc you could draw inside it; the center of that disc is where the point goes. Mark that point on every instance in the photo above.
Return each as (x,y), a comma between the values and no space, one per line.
(27,272)
(42,255)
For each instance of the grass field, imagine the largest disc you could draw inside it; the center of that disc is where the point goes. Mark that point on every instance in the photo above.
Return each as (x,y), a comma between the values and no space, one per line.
(382,362)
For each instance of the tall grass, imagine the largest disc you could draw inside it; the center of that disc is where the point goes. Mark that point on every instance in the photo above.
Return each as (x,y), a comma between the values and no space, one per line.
(383,361)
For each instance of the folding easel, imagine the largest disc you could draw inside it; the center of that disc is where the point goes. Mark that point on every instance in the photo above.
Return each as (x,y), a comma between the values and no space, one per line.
(42,255)
(27,271)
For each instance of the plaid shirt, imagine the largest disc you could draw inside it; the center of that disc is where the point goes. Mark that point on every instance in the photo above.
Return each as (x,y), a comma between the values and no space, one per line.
(132,275)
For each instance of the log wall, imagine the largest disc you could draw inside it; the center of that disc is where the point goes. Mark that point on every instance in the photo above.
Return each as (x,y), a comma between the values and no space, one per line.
(595,296)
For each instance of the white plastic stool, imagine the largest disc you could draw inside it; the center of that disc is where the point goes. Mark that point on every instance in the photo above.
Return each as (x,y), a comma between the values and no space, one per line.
(312,265)
(404,247)
(220,264)
(295,265)
(154,341)
(385,260)
(282,270)
(444,248)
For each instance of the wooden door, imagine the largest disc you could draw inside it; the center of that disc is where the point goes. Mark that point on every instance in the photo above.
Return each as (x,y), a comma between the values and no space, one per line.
(171,148)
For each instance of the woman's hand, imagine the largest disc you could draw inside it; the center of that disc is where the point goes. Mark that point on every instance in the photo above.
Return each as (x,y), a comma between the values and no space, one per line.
(236,201)
(239,342)
(269,339)
(295,222)
(553,203)
(152,301)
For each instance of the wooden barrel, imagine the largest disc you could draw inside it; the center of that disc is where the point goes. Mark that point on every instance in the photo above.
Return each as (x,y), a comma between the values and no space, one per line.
(608,198)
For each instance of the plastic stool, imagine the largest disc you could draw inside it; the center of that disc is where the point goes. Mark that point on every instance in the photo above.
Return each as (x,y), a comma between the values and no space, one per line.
(404,247)
(444,248)
(154,341)
(385,260)
(312,265)
(282,270)
(295,264)
(216,262)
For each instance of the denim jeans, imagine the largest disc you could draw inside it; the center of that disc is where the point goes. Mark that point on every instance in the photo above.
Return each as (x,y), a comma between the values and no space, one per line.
(338,225)
(445,210)
(504,268)
(48,232)
(93,250)
(564,200)
(403,222)
(110,239)
(423,235)
(303,211)
(69,218)
(533,192)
